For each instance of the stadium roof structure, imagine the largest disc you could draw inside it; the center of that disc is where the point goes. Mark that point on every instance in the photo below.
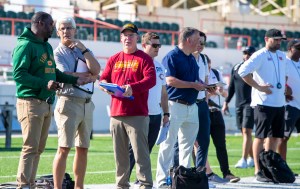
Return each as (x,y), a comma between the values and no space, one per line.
(288,8)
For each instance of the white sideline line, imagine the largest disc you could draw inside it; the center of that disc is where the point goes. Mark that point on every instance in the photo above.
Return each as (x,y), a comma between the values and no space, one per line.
(110,153)
(113,171)
(52,155)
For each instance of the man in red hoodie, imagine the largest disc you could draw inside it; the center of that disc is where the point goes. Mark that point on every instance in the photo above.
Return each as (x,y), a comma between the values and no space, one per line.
(134,71)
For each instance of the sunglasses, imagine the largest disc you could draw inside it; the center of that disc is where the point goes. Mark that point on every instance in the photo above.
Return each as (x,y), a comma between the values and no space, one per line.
(155,45)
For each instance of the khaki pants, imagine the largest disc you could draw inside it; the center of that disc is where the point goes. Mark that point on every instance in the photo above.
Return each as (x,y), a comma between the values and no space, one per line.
(35,117)
(74,120)
(135,130)
(184,129)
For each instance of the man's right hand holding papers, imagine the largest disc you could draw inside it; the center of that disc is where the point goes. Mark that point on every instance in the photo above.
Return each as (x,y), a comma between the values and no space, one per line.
(163,133)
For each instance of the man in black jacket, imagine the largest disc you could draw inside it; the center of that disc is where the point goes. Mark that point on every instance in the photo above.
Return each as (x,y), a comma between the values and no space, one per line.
(244,113)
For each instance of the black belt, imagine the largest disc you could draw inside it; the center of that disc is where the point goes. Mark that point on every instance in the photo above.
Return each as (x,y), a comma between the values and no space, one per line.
(182,102)
(76,99)
(200,100)
(33,98)
(214,110)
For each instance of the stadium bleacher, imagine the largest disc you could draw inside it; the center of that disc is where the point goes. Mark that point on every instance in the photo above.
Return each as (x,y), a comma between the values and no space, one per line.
(86,28)
(138,24)
(257,36)
(19,27)
(104,33)
(22,15)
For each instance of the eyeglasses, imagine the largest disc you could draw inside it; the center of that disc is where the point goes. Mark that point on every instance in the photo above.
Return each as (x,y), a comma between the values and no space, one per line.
(66,28)
(155,45)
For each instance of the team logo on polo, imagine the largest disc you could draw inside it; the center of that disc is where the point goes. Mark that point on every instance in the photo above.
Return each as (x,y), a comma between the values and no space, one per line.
(49,63)
(159,72)
(161,76)
(43,58)
(123,65)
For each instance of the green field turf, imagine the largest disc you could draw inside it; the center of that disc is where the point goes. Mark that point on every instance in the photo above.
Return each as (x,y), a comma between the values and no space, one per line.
(101,167)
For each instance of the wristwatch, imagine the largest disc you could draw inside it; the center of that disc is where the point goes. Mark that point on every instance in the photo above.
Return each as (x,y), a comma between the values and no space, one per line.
(167,114)
(86,50)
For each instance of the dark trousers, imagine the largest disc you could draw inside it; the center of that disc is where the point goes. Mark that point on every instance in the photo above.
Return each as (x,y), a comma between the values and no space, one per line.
(217,131)
(203,136)
(154,126)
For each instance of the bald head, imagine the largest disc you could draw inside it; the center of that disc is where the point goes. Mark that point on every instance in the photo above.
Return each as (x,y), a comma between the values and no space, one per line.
(42,25)
(39,17)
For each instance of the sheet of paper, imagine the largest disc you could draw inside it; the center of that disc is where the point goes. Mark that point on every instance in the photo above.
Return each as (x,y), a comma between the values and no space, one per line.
(163,133)
(218,84)
(82,67)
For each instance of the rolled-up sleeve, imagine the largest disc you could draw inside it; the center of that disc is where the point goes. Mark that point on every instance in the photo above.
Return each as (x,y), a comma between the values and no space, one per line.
(251,65)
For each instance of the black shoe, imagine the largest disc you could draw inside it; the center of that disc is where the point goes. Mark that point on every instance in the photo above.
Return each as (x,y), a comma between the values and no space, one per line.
(137,182)
(231,178)
(261,178)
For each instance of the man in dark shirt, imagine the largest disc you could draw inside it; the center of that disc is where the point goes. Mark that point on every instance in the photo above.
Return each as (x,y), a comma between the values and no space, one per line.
(244,113)
(182,85)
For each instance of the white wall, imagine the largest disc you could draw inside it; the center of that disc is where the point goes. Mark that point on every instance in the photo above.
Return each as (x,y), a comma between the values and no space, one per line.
(106,49)
(219,57)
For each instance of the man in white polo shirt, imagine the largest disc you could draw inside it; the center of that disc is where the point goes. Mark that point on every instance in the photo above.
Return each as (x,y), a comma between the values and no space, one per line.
(266,72)
(292,108)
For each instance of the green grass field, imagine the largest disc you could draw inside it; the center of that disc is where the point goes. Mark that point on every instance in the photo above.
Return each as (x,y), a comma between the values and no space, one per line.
(101,167)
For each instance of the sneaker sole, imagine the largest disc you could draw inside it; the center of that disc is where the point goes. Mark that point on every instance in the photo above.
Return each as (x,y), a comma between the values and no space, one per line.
(235,180)
(241,167)
(264,181)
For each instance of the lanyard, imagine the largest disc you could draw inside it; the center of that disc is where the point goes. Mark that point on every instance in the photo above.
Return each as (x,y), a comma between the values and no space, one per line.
(279,86)
(296,67)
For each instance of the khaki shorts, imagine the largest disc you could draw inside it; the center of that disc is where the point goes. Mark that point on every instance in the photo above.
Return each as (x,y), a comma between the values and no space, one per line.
(74,120)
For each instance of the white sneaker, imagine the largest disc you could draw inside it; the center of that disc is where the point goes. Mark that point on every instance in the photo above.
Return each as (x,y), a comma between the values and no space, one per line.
(211,185)
(164,185)
(136,184)
(250,162)
(242,163)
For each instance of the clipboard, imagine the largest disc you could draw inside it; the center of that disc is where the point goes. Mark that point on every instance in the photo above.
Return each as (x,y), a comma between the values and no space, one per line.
(115,89)
(81,66)
(218,84)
